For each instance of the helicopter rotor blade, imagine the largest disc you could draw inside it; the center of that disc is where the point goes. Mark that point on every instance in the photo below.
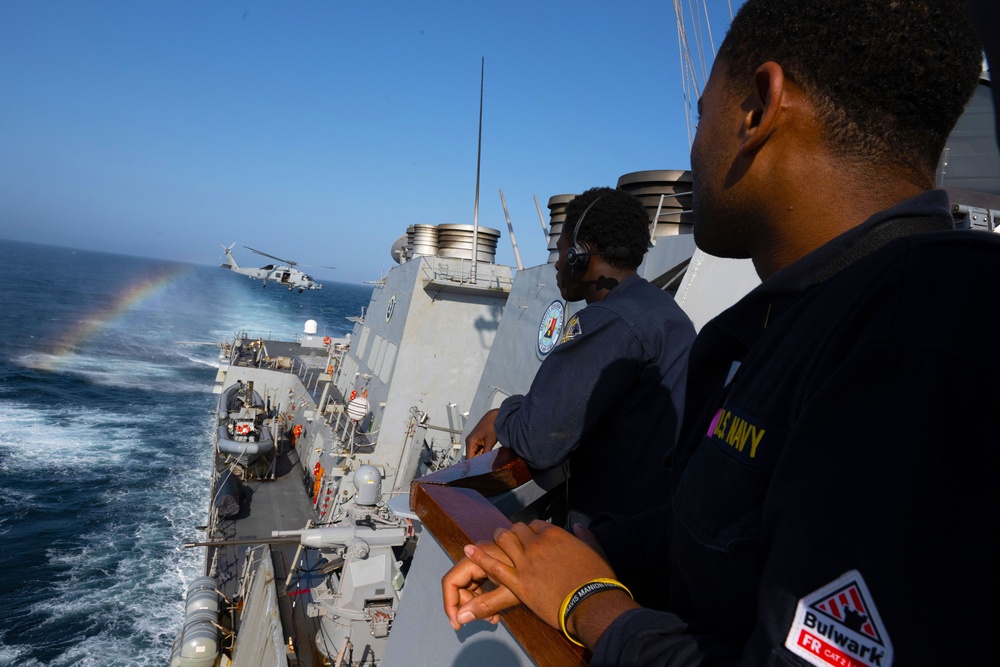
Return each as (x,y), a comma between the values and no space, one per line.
(286,261)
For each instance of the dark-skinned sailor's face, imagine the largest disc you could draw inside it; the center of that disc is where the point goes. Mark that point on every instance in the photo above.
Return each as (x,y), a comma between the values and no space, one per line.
(567,278)
(718,224)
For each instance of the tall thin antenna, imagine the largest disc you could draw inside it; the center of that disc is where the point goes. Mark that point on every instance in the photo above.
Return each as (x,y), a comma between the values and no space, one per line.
(479,155)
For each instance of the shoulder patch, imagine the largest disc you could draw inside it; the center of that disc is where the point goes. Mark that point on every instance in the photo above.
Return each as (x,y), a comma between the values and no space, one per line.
(550,327)
(839,626)
(573,329)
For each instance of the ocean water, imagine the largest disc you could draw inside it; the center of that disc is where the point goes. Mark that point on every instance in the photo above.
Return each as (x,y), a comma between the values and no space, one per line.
(106,370)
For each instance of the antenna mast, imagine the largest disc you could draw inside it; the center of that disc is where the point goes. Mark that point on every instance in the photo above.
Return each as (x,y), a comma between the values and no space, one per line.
(479,155)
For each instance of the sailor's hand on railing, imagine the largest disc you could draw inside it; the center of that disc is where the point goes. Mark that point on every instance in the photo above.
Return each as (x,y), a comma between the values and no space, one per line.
(483,437)
(544,565)
(465,599)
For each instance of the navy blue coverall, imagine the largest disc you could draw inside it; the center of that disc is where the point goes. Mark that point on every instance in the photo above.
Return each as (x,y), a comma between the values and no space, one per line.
(609,399)
(833,493)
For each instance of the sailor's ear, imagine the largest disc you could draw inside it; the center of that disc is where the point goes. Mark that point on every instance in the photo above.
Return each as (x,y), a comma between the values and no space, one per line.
(762,107)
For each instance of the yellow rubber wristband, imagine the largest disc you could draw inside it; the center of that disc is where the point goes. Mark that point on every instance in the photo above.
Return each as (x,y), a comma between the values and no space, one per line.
(583,592)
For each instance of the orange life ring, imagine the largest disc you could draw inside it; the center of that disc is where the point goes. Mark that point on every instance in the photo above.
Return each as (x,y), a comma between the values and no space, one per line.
(327,340)
(329,370)
(243,429)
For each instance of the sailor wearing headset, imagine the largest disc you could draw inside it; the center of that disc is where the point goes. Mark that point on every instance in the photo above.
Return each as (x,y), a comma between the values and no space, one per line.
(609,396)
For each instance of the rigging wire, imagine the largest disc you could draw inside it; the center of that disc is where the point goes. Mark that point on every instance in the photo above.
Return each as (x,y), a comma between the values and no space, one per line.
(685,91)
(694,38)
(708,26)
(699,38)
(689,82)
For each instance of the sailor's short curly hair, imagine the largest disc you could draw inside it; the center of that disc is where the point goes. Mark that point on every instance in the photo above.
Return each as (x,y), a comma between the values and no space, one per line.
(890,77)
(618,220)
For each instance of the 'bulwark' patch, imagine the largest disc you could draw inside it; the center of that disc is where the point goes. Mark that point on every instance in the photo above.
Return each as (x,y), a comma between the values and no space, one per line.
(839,626)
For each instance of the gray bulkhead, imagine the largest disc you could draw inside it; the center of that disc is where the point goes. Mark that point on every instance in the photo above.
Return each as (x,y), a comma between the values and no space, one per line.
(514,358)
(421,347)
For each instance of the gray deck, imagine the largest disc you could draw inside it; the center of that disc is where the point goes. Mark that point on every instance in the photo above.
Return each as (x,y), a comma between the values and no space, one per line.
(282,503)
(279,504)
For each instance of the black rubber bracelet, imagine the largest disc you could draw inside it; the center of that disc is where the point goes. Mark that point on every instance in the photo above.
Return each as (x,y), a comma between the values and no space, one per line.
(581,594)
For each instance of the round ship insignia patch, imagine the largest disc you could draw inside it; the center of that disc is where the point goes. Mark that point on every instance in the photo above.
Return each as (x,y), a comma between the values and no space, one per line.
(550,328)
(390,308)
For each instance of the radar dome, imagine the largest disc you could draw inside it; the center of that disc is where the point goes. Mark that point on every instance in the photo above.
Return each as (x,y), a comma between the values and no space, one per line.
(368,482)
(310,328)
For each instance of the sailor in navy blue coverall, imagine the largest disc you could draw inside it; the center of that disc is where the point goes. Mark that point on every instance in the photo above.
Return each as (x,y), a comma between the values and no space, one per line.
(608,398)
(832,495)
(787,481)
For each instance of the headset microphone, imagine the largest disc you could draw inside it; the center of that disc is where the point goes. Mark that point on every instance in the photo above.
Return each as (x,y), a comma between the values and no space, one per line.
(577,256)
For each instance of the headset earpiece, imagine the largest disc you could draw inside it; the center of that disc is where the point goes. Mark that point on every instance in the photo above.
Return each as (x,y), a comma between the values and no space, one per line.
(577,256)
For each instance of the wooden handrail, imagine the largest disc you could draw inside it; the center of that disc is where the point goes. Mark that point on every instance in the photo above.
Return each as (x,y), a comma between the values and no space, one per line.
(490,474)
(451,505)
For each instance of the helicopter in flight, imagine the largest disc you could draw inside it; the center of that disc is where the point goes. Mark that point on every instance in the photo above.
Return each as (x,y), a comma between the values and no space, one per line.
(285,274)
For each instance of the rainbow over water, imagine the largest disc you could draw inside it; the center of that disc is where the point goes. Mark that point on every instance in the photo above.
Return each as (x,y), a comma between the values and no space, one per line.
(134,294)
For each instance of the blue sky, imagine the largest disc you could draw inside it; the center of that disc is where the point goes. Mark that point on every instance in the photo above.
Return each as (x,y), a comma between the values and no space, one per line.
(317,131)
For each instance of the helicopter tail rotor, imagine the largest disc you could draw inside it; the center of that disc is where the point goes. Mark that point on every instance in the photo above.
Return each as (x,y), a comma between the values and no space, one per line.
(230,260)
